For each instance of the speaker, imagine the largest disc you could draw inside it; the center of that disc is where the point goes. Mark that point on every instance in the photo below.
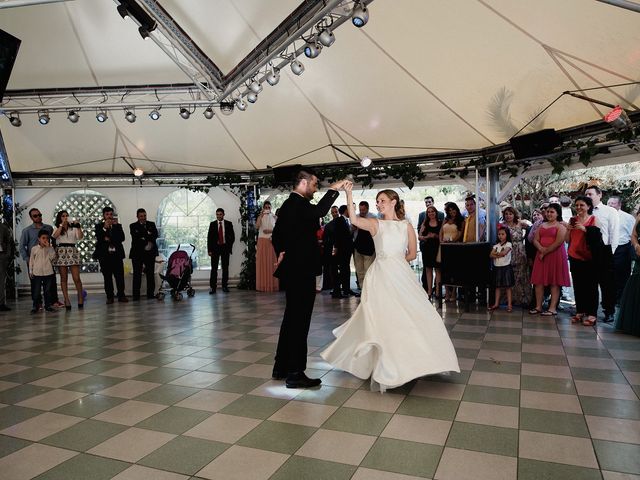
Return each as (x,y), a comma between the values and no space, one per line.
(286,175)
(9,46)
(536,143)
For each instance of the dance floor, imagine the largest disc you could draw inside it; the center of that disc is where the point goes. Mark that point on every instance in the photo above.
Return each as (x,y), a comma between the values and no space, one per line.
(179,390)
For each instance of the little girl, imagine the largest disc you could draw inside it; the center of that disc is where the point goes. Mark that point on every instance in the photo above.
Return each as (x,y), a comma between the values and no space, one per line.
(502,272)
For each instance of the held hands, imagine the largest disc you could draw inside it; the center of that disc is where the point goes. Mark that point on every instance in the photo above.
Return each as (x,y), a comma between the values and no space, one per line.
(347,186)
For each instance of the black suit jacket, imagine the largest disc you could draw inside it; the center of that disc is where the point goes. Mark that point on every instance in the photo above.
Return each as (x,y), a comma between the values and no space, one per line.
(295,234)
(343,241)
(110,236)
(140,235)
(212,238)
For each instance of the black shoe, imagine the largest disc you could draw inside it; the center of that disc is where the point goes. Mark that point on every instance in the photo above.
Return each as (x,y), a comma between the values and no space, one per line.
(608,318)
(4,308)
(277,375)
(34,311)
(300,380)
(212,291)
(350,292)
(123,299)
(80,306)
(225,289)
(337,295)
(50,309)
(135,298)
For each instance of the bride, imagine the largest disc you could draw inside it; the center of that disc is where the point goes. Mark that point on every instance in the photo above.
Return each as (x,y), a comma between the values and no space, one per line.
(395,334)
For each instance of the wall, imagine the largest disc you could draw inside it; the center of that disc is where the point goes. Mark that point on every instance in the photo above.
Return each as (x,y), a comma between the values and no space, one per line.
(127,200)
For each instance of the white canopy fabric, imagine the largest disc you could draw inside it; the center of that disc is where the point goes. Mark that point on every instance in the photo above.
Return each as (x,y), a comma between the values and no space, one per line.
(423,76)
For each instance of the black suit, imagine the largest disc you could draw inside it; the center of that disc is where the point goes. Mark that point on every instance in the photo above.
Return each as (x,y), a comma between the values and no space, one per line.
(295,234)
(340,264)
(110,252)
(143,253)
(220,252)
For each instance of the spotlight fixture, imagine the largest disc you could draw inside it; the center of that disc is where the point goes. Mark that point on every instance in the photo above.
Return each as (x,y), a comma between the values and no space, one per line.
(184,113)
(130,116)
(360,15)
(312,49)
(274,76)
(14,118)
(618,119)
(73,116)
(123,11)
(43,117)
(138,172)
(241,105)
(255,87)
(154,114)
(208,113)
(326,37)
(226,108)
(102,116)
(252,97)
(365,162)
(297,67)
(144,32)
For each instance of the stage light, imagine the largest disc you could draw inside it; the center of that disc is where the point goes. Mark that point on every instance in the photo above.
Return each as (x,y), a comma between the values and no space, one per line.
(122,10)
(130,116)
(255,87)
(154,114)
(208,113)
(297,67)
(14,118)
(184,113)
(366,162)
(43,117)
(144,32)
(360,15)
(240,104)
(326,37)
(274,76)
(252,97)
(102,116)
(73,116)
(226,108)
(618,119)
(138,172)
(312,49)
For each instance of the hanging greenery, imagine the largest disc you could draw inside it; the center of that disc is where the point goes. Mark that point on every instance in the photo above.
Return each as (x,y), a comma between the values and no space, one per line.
(248,236)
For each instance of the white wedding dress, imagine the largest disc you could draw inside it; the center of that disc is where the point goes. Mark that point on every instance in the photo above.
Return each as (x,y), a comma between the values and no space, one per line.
(395,334)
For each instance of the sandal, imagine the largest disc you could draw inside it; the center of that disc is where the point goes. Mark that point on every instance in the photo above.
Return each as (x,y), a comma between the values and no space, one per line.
(509,309)
(548,313)
(589,321)
(577,318)
(535,311)
(492,308)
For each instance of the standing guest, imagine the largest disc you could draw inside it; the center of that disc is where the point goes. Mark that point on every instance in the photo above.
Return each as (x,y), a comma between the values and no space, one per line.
(583,262)
(265,255)
(517,231)
(550,267)
(473,215)
(328,238)
(219,246)
(67,235)
(320,236)
(364,251)
(503,276)
(41,272)
(110,253)
(428,202)
(29,239)
(538,219)
(6,255)
(623,256)
(628,316)
(609,220)
(430,235)
(451,231)
(299,261)
(341,254)
(565,203)
(143,253)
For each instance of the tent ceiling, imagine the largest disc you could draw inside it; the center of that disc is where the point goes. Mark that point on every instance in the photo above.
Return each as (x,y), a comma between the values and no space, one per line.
(423,76)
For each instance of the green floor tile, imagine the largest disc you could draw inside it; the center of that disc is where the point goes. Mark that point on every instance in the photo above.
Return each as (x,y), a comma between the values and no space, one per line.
(263,347)
(428,407)
(303,468)
(467,335)
(547,384)
(99,353)
(401,456)
(223,366)
(167,394)
(484,438)
(9,445)
(492,395)
(89,406)
(97,367)
(254,407)
(155,347)
(162,375)
(497,366)
(629,365)
(587,352)
(20,393)
(93,384)
(277,437)
(237,384)
(37,360)
(174,420)
(213,353)
(620,345)
(184,455)
(618,457)
(504,330)
(354,420)
(501,346)
(29,375)
(458,378)
(156,360)
(598,375)
(85,466)
(12,415)
(609,407)
(467,352)
(326,395)
(537,470)
(540,340)
(544,359)
(84,435)
(559,423)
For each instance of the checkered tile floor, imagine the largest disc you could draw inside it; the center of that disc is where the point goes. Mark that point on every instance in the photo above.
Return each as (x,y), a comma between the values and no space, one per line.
(183,390)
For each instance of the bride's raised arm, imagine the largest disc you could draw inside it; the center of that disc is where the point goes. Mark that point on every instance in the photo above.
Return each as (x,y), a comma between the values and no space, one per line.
(368,224)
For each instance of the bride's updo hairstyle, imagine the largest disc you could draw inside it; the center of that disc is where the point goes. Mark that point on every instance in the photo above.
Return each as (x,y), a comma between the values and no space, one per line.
(392,195)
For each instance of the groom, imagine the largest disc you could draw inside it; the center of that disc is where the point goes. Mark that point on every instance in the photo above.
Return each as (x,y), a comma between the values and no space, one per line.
(299,261)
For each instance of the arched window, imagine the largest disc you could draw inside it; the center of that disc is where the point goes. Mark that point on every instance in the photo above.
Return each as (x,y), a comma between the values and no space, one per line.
(183,218)
(85,206)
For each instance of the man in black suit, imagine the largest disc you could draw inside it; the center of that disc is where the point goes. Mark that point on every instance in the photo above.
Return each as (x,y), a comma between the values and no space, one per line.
(328,280)
(299,261)
(341,259)
(219,244)
(143,253)
(110,252)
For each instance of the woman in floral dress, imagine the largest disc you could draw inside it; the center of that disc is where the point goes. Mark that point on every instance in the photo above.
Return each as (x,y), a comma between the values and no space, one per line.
(522,288)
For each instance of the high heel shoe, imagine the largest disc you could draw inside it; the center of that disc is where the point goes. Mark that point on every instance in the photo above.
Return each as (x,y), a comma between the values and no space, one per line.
(80,306)
(67,307)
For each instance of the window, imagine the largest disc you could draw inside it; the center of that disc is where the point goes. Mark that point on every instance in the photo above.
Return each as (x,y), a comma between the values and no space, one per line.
(85,206)
(183,218)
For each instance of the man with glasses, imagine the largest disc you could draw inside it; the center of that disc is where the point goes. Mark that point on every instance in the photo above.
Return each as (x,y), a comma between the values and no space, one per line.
(28,240)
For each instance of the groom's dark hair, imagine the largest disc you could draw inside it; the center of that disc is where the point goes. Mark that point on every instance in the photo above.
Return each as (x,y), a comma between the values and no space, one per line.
(303,174)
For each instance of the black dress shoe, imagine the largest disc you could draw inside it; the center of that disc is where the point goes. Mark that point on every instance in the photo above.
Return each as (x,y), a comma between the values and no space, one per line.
(300,380)
(212,291)
(225,289)
(608,318)
(337,295)
(351,292)
(277,375)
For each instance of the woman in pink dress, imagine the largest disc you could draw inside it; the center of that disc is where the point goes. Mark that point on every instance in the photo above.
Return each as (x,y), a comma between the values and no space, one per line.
(550,267)
(265,255)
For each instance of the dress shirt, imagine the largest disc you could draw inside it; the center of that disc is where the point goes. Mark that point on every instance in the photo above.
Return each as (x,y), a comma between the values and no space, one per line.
(70,236)
(608,218)
(40,261)
(29,238)
(627,222)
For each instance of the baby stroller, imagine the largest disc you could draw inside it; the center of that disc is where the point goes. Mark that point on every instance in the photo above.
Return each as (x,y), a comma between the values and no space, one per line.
(178,275)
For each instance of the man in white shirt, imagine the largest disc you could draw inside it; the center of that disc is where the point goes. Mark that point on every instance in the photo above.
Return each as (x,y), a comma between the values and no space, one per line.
(608,219)
(623,256)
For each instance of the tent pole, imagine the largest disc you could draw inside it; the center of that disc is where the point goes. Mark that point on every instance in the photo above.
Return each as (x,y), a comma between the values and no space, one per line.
(634,7)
